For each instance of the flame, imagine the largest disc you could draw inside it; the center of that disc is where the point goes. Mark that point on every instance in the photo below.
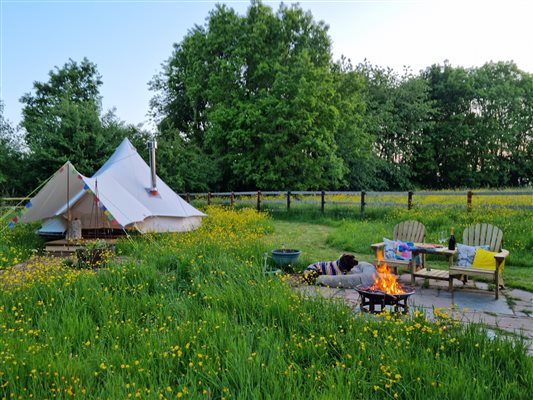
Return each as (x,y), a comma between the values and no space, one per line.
(384,280)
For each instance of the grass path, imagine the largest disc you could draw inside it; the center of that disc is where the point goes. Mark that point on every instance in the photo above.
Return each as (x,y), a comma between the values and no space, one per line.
(311,239)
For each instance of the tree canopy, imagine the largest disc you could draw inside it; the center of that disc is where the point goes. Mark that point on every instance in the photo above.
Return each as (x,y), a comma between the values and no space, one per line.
(255,101)
(259,96)
(62,121)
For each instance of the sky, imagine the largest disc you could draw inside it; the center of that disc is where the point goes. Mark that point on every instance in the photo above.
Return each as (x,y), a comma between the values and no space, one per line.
(128,40)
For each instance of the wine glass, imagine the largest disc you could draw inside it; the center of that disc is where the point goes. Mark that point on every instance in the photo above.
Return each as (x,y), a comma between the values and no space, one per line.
(442,237)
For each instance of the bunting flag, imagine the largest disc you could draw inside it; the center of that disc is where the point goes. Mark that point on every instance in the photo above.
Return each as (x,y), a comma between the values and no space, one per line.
(19,214)
(102,208)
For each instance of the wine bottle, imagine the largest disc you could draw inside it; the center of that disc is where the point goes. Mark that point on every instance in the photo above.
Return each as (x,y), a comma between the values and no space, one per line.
(451,241)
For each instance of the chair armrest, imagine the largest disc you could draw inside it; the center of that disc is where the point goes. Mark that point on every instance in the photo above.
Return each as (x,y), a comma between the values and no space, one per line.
(377,246)
(501,255)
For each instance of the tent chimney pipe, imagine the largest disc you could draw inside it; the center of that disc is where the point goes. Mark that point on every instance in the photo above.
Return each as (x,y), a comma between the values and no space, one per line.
(152,146)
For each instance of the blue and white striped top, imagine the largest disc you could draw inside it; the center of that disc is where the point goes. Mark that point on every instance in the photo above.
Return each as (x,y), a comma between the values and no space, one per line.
(325,268)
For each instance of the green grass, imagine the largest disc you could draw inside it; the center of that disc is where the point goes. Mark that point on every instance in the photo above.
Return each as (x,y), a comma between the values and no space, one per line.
(18,244)
(192,316)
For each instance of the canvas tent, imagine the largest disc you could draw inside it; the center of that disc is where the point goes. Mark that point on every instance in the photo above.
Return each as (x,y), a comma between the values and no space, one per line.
(117,196)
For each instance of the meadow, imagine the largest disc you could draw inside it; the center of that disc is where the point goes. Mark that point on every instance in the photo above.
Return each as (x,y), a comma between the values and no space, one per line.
(193,316)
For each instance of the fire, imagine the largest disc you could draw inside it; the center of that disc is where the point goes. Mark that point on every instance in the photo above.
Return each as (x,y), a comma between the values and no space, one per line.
(385,281)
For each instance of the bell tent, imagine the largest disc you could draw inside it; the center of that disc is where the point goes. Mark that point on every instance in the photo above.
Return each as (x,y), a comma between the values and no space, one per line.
(124,193)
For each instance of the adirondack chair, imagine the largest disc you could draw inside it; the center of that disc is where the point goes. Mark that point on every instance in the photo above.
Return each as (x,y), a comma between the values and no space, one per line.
(478,235)
(406,231)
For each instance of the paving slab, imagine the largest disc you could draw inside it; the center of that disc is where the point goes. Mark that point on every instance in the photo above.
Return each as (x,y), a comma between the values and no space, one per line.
(481,301)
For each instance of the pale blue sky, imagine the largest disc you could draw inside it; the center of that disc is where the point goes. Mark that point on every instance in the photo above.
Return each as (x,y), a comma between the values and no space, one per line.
(128,40)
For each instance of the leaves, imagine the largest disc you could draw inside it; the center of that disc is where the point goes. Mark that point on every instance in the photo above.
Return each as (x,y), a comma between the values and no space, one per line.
(257,96)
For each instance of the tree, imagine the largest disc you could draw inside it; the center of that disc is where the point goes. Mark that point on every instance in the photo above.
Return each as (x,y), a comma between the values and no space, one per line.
(482,131)
(353,142)
(446,152)
(503,105)
(62,120)
(10,156)
(398,112)
(256,96)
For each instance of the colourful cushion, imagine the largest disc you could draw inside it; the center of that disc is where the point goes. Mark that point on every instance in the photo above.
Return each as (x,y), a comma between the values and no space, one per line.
(398,250)
(403,250)
(466,254)
(484,259)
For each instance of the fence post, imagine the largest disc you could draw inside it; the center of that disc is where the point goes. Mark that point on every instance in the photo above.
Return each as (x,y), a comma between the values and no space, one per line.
(209,198)
(409,200)
(363,202)
(258,200)
(469,195)
(288,201)
(187,197)
(232,199)
(322,201)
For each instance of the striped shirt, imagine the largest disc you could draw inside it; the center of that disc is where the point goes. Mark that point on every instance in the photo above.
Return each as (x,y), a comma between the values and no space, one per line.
(325,268)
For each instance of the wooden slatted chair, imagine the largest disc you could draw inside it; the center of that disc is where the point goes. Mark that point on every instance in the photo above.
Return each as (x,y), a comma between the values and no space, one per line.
(406,231)
(478,235)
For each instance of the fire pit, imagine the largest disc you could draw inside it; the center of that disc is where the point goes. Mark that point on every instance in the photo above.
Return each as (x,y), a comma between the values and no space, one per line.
(376,301)
(386,291)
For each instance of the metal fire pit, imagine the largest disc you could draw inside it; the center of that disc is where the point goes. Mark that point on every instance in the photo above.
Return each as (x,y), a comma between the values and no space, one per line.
(375,301)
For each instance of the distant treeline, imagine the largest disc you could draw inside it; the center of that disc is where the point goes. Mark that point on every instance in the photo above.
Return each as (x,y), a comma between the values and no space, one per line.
(256,101)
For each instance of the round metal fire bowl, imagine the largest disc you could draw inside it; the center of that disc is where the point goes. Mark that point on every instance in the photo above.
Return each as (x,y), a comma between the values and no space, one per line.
(375,301)
(379,294)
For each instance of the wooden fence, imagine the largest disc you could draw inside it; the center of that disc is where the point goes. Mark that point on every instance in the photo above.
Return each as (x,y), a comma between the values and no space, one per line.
(323,198)
(360,199)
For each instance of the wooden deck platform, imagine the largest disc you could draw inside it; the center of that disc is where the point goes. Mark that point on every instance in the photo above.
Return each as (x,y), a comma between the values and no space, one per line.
(63,247)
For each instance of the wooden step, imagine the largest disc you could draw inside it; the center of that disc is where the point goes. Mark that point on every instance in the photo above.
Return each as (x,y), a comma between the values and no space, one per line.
(64,247)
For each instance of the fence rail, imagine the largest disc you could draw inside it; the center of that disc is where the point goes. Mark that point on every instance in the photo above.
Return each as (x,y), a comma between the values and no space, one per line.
(260,198)
(293,198)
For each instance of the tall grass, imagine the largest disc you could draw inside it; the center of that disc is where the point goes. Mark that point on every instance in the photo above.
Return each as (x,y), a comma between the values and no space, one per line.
(18,244)
(192,316)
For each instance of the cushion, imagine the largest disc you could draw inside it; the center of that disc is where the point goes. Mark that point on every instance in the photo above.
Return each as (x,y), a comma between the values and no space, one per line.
(403,250)
(390,249)
(466,254)
(484,259)
(362,274)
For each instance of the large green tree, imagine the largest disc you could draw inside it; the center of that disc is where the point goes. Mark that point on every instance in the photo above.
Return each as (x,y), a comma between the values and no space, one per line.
(256,96)
(62,120)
